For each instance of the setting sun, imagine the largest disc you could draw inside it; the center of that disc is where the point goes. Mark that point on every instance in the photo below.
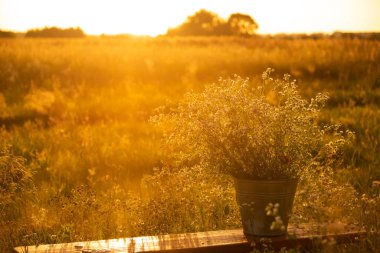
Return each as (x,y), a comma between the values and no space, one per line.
(148,17)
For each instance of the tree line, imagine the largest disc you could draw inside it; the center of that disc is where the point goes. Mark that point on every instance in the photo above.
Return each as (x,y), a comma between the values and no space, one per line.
(55,32)
(206,23)
(47,32)
(7,34)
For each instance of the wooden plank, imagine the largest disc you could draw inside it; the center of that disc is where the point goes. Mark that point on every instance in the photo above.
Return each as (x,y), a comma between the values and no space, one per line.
(212,241)
(308,236)
(207,241)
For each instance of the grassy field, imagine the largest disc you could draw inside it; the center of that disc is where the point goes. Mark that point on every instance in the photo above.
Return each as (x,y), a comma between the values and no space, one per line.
(79,159)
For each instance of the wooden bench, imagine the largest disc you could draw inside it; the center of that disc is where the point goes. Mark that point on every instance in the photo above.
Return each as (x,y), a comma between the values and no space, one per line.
(305,236)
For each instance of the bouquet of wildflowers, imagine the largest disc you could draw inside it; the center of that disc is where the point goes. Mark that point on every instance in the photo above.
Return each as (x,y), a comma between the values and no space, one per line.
(257,130)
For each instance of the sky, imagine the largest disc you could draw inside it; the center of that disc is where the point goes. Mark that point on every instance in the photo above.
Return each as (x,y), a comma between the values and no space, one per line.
(153,17)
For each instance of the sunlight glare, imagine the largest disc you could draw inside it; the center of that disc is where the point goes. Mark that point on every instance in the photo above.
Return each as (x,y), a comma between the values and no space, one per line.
(152,17)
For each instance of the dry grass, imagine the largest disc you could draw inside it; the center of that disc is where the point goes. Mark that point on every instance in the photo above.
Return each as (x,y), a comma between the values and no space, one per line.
(75,116)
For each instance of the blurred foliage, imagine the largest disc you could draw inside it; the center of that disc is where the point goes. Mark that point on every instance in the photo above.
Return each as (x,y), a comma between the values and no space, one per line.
(76,142)
(7,34)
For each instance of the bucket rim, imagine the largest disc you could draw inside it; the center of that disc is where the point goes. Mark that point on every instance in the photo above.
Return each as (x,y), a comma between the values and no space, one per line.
(266,180)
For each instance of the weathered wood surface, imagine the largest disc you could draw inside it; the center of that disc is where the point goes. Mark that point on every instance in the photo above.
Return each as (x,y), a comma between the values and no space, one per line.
(212,241)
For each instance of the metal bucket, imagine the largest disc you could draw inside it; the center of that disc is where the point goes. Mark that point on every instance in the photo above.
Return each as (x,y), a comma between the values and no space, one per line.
(258,198)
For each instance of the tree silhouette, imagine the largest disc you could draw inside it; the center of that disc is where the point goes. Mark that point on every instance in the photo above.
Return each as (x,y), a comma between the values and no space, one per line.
(206,23)
(241,24)
(200,24)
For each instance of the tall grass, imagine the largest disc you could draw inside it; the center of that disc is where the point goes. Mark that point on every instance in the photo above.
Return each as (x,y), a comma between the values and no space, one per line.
(76,135)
